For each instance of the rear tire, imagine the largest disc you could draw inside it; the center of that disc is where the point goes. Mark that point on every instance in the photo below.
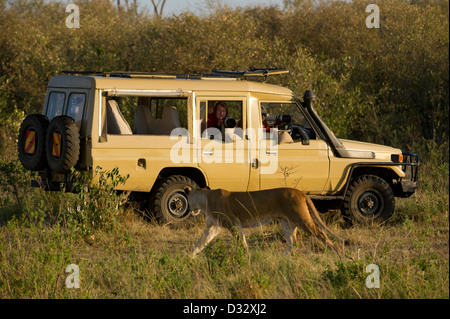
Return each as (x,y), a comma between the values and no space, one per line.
(369,200)
(169,203)
(31,142)
(63,144)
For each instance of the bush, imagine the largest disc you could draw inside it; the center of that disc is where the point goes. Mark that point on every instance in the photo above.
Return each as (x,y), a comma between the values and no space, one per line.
(97,206)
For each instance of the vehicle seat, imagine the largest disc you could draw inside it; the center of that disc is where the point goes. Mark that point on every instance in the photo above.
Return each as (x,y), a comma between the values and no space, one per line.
(142,120)
(169,120)
(284,137)
(116,123)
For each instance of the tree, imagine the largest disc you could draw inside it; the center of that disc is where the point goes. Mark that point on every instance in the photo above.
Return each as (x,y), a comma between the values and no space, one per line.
(158,7)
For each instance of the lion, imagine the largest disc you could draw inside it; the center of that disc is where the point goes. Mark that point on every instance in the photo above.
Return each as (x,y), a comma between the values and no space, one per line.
(238,210)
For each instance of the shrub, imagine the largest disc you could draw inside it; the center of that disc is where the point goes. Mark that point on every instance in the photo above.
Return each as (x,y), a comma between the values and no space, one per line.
(98,206)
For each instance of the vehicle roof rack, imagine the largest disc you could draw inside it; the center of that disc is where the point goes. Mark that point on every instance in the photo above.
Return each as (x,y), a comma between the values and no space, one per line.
(132,74)
(84,72)
(252,72)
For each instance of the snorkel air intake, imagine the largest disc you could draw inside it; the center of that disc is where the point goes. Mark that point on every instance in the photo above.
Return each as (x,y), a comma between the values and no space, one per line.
(336,146)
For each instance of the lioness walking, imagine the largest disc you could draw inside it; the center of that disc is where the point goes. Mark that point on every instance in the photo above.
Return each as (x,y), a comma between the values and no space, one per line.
(237,210)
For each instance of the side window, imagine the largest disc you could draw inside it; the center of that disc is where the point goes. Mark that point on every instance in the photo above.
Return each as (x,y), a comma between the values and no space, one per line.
(145,115)
(286,117)
(75,106)
(55,104)
(169,109)
(219,118)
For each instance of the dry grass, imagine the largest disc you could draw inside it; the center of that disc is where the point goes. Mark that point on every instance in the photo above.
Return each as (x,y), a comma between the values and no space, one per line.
(150,261)
(140,259)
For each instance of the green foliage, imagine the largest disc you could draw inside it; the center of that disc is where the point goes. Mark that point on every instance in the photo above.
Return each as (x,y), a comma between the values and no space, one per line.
(369,82)
(97,206)
(10,119)
(223,261)
(14,184)
(344,273)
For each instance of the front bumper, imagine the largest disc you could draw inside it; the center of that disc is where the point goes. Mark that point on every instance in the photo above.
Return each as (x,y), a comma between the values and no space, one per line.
(410,166)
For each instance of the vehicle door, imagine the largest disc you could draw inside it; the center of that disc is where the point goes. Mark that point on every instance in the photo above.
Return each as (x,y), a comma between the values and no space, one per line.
(291,153)
(222,150)
(73,103)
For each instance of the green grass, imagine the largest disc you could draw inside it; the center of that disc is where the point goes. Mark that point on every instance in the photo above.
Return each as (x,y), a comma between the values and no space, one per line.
(137,259)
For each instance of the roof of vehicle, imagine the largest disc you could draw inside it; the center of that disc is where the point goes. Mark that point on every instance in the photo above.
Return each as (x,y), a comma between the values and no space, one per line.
(166,82)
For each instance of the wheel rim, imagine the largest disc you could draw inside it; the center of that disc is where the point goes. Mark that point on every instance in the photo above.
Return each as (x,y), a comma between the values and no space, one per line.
(177,205)
(369,203)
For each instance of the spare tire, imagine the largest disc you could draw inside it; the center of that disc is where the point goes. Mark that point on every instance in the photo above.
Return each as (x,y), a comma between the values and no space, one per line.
(31,142)
(63,144)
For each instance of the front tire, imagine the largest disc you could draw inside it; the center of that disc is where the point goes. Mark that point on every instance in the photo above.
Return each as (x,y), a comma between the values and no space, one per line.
(369,200)
(169,202)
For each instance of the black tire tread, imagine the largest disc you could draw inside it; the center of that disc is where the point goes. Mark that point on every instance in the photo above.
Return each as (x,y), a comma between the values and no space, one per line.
(40,124)
(369,180)
(70,140)
(157,193)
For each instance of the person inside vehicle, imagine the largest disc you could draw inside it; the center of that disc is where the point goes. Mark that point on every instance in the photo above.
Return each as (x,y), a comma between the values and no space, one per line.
(265,125)
(216,117)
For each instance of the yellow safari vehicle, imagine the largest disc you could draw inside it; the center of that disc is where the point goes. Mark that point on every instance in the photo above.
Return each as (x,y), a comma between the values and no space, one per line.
(219,130)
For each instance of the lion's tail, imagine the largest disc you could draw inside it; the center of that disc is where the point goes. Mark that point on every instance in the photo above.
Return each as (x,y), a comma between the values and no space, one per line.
(319,220)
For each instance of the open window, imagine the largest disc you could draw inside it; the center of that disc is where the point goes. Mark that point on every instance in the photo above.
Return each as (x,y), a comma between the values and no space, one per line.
(145,115)
(221,118)
(289,120)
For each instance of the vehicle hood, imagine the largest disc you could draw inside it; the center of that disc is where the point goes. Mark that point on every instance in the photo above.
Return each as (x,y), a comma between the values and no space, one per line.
(381,151)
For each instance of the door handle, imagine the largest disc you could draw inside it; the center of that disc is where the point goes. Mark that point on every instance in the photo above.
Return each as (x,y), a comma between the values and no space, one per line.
(141,163)
(271,152)
(207,152)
